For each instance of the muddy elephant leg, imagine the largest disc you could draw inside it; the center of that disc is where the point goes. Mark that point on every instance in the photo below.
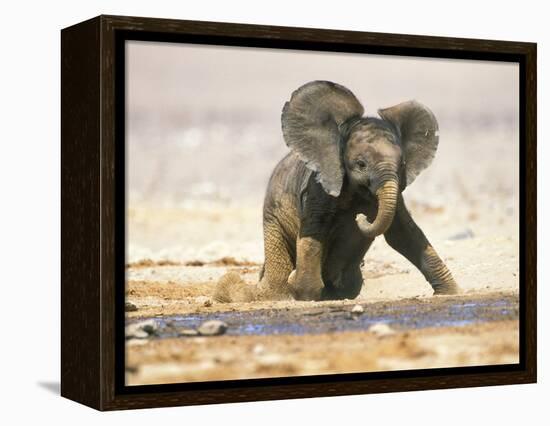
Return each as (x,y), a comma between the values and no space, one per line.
(316,221)
(407,238)
(307,283)
(274,273)
(277,266)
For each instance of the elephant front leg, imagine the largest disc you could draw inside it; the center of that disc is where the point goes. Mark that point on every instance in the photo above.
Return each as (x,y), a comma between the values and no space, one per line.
(307,283)
(278,265)
(437,273)
(407,238)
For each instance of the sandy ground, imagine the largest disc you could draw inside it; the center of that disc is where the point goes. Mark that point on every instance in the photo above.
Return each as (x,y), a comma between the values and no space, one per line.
(180,289)
(189,359)
(230,357)
(486,267)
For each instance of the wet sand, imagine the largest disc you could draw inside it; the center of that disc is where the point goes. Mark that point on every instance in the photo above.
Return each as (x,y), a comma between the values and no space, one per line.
(341,316)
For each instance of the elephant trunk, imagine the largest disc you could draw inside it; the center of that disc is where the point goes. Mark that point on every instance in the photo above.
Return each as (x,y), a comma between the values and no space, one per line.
(387,201)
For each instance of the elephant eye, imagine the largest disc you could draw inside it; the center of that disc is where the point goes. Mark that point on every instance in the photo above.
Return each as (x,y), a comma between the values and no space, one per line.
(361,164)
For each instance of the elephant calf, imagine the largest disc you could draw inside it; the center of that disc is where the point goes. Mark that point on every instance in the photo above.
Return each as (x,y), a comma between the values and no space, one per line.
(338,189)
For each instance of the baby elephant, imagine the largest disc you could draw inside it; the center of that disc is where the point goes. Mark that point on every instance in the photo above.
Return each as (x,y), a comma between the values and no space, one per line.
(335,192)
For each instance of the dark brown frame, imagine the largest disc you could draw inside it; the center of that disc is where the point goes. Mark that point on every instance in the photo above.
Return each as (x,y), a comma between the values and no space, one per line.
(92,203)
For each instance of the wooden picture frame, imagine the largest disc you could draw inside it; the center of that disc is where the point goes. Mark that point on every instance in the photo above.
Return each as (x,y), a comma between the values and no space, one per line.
(92,205)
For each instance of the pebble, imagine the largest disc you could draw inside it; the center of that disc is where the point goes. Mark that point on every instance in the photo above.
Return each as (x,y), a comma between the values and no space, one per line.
(212,328)
(149,326)
(135,333)
(141,330)
(381,329)
(130,307)
(357,310)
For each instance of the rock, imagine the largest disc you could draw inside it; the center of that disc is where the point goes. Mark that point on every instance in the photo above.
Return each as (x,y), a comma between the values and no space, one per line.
(135,333)
(149,326)
(212,328)
(130,307)
(141,330)
(381,329)
(357,310)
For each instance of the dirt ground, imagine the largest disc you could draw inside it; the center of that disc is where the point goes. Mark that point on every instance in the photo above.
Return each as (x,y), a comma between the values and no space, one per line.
(230,357)
(485,267)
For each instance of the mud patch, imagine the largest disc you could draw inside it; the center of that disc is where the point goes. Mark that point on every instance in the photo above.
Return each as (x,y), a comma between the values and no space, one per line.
(409,314)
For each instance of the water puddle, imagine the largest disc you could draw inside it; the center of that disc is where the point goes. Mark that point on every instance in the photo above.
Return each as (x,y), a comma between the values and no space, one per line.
(339,319)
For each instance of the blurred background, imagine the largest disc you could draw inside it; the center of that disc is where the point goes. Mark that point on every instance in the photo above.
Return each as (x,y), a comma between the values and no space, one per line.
(203,135)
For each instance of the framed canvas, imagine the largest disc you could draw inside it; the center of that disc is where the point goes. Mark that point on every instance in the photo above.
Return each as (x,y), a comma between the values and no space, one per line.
(255,212)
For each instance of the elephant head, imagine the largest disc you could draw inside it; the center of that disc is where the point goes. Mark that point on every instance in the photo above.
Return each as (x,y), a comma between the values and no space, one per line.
(323,123)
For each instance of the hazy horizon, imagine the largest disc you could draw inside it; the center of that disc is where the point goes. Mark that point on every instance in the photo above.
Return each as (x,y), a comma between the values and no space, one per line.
(204,121)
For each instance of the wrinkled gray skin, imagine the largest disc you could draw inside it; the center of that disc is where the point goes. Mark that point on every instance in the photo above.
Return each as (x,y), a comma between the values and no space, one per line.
(338,189)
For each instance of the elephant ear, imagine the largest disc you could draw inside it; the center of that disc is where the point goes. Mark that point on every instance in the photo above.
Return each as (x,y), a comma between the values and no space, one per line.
(419,133)
(311,121)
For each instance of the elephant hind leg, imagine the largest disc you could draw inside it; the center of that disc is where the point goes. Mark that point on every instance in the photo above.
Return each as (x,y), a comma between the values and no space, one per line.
(279,263)
(232,288)
(274,274)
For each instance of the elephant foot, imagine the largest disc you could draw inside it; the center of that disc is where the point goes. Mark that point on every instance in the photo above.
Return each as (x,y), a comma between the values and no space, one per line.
(437,273)
(447,289)
(305,288)
(232,288)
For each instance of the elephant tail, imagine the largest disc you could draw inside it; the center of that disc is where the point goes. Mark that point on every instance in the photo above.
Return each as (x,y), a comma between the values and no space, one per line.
(232,288)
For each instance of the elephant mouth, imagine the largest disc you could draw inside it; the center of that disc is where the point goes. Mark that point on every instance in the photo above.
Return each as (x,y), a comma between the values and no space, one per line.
(364,191)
